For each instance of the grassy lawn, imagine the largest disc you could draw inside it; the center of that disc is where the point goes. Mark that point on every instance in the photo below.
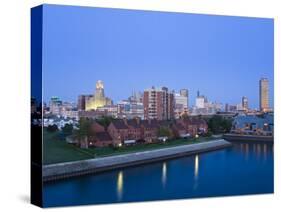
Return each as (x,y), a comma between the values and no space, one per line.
(56,150)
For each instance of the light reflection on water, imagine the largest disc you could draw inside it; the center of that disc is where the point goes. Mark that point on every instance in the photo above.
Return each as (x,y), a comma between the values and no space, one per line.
(120,185)
(196,171)
(164,174)
(196,166)
(264,151)
(258,150)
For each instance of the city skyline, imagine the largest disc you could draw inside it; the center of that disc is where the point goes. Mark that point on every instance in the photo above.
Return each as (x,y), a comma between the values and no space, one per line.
(175,92)
(223,57)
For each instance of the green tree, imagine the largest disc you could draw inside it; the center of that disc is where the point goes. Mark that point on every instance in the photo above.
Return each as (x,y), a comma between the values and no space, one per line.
(105,121)
(218,124)
(52,128)
(164,131)
(67,129)
(83,132)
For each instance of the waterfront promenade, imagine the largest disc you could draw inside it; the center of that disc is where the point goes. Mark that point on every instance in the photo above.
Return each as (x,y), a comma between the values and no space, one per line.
(76,168)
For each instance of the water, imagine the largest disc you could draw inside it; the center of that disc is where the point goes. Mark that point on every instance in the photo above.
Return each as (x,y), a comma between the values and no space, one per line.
(244,168)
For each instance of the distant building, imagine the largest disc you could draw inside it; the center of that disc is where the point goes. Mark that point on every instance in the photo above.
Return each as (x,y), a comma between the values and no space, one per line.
(184,92)
(81,102)
(264,94)
(232,108)
(253,125)
(245,104)
(158,104)
(226,107)
(55,105)
(130,109)
(200,102)
(94,114)
(98,99)
(136,97)
(239,107)
(204,107)
(109,110)
(181,103)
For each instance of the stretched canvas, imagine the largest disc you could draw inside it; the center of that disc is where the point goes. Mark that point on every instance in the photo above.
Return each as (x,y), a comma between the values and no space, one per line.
(131,105)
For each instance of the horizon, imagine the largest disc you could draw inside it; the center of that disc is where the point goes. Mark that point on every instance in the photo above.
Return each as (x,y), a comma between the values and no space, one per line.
(213,54)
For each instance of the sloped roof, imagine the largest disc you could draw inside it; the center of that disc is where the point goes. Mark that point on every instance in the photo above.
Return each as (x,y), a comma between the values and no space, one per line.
(119,124)
(103,136)
(179,126)
(150,123)
(133,123)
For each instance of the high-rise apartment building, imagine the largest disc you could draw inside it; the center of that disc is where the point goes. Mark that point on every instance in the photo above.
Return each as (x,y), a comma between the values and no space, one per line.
(264,94)
(158,104)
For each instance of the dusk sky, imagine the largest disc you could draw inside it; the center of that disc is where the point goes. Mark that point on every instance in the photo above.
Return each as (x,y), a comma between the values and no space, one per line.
(224,57)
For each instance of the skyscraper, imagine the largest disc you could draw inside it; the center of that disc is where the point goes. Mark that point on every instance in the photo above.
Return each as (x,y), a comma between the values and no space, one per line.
(158,104)
(264,94)
(245,104)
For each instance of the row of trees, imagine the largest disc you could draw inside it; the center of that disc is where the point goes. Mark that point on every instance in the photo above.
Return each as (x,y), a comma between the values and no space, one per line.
(218,124)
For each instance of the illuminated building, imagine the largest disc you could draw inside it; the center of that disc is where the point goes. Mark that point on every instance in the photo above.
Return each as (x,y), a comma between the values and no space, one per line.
(98,99)
(264,94)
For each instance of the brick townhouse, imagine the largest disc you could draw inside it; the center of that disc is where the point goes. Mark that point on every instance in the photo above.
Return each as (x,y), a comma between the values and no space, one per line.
(121,130)
(101,136)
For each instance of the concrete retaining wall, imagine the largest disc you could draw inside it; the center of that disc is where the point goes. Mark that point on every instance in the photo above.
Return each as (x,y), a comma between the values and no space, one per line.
(237,137)
(69,169)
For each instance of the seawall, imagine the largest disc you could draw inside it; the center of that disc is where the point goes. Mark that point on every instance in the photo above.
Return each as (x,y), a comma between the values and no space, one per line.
(77,168)
(237,137)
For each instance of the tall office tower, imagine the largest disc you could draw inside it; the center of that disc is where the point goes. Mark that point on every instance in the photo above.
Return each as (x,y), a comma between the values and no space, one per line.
(158,104)
(264,94)
(245,104)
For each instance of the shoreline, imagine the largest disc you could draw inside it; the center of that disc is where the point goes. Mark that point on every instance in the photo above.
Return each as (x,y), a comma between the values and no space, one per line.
(236,137)
(77,168)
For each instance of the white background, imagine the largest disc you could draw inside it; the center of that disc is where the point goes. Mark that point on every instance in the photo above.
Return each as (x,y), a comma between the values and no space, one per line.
(15,97)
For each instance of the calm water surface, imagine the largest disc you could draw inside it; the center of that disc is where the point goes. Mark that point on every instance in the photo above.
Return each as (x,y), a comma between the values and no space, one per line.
(244,168)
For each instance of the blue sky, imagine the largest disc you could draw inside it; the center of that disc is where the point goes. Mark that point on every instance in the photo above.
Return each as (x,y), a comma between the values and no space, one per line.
(222,56)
